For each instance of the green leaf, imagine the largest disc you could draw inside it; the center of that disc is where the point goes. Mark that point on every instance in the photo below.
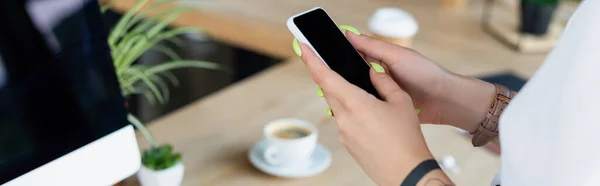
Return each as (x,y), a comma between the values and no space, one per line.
(124,48)
(149,97)
(171,77)
(157,94)
(160,68)
(144,77)
(165,150)
(142,13)
(176,41)
(119,30)
(140,47)
(130,75)
(157,28)
(145,132)
(162,85)
(177,157)
(168,52)
(141,29)
(126,90)
(174,32)
(183,64)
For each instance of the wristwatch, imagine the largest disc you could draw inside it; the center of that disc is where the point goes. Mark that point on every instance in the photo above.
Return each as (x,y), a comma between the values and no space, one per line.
(488,128)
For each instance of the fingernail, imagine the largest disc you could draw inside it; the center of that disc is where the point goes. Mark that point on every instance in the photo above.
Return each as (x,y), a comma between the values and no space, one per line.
(418,111)
(350,28)
(319,92)
(377,67)
(329,112)
(296,47)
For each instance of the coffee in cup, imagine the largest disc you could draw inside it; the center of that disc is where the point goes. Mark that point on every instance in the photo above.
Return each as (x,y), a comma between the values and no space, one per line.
(393,25)
(292,132)
(290,142)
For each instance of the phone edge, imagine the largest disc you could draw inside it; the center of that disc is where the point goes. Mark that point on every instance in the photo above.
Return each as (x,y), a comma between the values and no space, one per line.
(298,34)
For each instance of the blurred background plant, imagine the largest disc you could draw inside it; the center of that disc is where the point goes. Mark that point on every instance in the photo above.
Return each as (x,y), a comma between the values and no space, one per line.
(134,34)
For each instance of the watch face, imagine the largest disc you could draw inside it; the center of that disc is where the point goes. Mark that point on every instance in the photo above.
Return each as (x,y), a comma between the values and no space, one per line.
(58,88)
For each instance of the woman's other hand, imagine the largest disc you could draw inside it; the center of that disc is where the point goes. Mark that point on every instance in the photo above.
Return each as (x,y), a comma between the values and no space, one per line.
(443,97)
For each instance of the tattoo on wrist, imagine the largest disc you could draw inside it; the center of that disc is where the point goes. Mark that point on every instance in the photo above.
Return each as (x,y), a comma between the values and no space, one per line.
(436,182)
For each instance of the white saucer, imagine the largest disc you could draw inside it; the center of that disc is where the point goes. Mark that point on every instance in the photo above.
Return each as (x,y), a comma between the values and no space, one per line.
(319,161)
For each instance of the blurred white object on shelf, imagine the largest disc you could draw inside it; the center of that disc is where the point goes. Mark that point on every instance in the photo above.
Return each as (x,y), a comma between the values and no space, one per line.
(393,25)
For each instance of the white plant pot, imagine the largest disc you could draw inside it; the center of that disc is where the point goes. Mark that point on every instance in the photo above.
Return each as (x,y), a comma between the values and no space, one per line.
(167,177)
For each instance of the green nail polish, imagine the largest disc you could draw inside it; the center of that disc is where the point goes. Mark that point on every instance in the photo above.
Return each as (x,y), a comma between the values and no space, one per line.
(377,67)
(418,111)
(319,92)
(329,112)
(350,28)
(296,47)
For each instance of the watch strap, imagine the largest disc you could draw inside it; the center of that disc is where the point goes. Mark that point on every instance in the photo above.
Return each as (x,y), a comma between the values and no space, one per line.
(488,128)
(419,172)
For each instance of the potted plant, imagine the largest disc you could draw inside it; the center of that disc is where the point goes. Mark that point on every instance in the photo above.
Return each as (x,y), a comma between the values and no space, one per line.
(160,165)
(129,39)
(536,16)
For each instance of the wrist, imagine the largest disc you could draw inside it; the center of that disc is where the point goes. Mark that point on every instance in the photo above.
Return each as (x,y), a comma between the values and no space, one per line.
(466,101)
(425,171)
(435,178)
(404,168)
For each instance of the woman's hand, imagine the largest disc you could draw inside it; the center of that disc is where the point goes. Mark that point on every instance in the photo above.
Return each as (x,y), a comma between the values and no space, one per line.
(443,97)
(384,137)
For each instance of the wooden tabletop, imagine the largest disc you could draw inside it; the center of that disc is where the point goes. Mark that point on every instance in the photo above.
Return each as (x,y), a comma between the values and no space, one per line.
(215,133)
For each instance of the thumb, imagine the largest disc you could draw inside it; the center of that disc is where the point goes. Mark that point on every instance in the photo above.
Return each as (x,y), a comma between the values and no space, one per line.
(382,51)
(387,88)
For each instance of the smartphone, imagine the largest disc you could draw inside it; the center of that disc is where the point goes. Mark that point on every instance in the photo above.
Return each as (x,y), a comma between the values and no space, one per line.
(316,29)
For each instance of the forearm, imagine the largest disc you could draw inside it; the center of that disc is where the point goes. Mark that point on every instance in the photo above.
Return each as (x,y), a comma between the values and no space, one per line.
(466,102)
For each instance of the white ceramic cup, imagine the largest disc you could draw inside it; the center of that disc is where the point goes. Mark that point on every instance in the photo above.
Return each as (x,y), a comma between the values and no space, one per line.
(288,152)
(393,25)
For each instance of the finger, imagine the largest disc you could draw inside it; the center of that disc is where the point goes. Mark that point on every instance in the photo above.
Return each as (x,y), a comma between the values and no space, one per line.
(331,102)
(331,82)
(373,60)
(336,107)
(382,51)
(387,88)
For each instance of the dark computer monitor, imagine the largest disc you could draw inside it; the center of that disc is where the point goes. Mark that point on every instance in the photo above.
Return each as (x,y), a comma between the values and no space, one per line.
(62,116)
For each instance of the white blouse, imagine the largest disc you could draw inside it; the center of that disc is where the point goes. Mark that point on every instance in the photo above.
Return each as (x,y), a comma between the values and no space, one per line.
(550,133)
